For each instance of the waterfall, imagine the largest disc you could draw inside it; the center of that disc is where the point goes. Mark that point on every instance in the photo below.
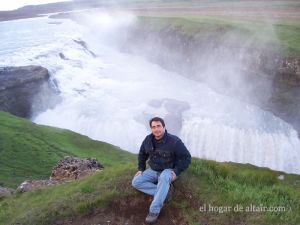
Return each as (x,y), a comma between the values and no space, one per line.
(110,96)
(209,140)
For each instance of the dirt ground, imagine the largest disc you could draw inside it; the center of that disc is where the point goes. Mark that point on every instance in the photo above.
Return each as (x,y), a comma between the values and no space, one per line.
(127,211)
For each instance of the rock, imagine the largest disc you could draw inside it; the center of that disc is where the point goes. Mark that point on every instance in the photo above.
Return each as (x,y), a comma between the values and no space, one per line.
(85,47)
(280,177)
(289,71)
(62,56)
(72,168)
(29,185)
(170,109)
(262,75)
(26,89)
(4,192)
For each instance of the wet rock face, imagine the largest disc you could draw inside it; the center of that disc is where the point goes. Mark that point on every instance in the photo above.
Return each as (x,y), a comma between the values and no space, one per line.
(289,71)
(72,168)
(23,89)
(261,75)
(170,109)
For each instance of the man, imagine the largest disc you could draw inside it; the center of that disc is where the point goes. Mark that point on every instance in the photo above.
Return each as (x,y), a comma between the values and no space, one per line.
(168,157)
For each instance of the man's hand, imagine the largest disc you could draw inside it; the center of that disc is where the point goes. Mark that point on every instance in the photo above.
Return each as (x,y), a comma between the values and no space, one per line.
(173,176)
(138,173)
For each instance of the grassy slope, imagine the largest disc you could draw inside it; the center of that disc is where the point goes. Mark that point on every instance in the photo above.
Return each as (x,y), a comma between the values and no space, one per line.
(28,151)
(206,182)
(284,37)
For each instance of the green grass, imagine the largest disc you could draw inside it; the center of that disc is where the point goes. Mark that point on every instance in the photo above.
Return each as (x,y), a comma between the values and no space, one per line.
(232,184)
(28,151)
(44,206)
(281,36)
(206,183)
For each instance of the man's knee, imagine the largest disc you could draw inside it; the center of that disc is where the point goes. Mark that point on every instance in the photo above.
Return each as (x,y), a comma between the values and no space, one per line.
(166,176)
(136,181)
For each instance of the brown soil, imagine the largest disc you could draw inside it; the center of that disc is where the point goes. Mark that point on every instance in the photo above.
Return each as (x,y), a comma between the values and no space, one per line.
(127,211)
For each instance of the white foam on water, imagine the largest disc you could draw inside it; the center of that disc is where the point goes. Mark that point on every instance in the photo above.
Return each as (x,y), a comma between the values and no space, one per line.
(107,97)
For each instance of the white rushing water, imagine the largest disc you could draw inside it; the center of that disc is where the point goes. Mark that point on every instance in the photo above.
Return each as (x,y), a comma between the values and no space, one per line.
(112,96)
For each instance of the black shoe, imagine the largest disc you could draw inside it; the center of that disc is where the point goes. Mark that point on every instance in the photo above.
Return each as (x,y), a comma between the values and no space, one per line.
(170,193)
(151,218)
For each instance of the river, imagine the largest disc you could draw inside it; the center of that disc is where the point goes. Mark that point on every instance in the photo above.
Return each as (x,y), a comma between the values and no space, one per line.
(110,95)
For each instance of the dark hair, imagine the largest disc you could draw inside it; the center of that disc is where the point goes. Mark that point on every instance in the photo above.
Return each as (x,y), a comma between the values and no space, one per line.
(157,119)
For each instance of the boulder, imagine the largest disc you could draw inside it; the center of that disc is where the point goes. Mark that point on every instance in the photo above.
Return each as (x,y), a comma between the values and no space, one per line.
(25,89)
(70,168)
(170,109)
(73,168)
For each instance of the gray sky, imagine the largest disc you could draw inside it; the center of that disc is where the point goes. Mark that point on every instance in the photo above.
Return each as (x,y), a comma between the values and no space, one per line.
(14,4)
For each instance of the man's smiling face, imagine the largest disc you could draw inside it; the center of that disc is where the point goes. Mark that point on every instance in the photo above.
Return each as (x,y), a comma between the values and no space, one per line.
(158,130)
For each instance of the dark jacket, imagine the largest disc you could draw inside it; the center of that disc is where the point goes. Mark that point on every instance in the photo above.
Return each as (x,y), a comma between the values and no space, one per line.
(171,154)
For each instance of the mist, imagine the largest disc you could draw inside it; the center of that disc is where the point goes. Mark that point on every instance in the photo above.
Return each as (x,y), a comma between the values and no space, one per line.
(113,77)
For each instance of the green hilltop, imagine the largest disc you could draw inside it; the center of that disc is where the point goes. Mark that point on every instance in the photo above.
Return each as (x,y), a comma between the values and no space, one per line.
(29,151)
(271,23)
(281,36)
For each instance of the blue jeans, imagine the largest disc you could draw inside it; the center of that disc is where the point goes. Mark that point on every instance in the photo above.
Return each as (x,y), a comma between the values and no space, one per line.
(156,184)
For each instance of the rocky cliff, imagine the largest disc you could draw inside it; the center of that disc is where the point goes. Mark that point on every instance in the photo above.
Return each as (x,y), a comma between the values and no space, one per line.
(253,72)
(25,90)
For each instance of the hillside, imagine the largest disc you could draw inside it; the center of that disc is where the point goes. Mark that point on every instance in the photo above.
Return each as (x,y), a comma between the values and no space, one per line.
(29,151)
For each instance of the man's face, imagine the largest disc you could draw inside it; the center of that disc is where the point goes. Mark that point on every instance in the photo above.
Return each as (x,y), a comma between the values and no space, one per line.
(157,129)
